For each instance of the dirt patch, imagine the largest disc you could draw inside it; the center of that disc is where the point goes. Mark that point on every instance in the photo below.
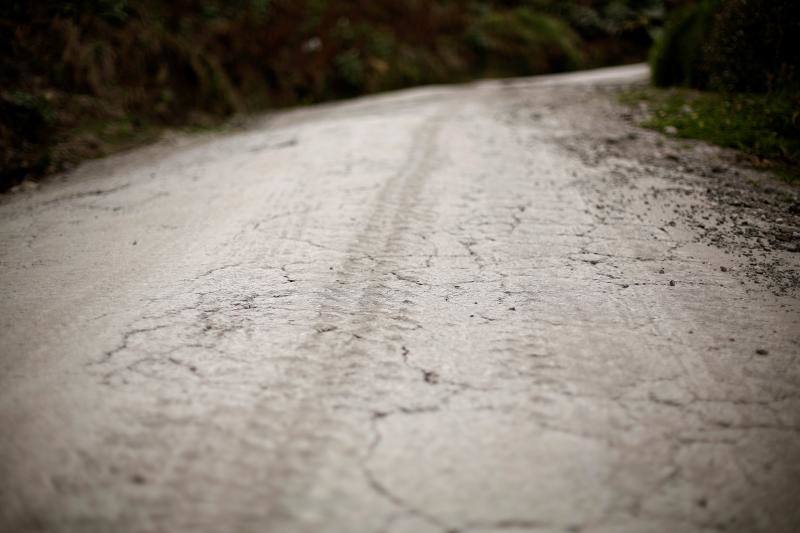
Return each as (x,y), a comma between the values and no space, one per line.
(749,214)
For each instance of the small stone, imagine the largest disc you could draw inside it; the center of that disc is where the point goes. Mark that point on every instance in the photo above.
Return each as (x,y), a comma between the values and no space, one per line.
(672,283)
(723,269)
(431,377)
(762,351)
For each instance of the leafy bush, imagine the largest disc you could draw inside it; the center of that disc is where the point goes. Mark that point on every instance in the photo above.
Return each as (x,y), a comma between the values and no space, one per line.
(730,45)
(520,41)
(618,31)
(25,139)
(679,54)
(755,46)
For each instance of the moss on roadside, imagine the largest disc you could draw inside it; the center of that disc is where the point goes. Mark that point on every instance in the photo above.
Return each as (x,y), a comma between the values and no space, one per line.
(764,126)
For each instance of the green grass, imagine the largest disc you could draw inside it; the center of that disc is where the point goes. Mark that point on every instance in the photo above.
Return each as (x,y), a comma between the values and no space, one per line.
(767,127)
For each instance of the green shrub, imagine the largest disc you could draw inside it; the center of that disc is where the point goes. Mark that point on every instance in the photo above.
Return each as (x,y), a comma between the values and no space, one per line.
(522,42)
(350,70)
(678,56)
(730,45)
(25,136)
(755,46)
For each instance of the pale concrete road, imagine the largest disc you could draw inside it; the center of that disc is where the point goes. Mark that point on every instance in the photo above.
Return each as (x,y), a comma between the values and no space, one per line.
(460,309)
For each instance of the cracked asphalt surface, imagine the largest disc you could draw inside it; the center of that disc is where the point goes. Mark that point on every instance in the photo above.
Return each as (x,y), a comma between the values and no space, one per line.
(449,309)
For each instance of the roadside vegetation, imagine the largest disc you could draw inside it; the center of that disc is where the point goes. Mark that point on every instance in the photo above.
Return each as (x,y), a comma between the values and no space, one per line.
(728,72)
(82,78)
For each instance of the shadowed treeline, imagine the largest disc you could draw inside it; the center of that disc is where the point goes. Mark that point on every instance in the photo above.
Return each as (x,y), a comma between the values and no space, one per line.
(82,77)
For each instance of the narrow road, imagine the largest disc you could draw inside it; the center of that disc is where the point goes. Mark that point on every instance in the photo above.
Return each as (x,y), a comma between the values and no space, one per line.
(496,307)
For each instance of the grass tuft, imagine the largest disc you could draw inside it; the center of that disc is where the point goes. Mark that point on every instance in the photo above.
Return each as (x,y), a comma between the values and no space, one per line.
(765,126)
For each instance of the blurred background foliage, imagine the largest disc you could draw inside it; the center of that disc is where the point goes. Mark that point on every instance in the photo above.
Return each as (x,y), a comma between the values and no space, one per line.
(731,45)
(79,78)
